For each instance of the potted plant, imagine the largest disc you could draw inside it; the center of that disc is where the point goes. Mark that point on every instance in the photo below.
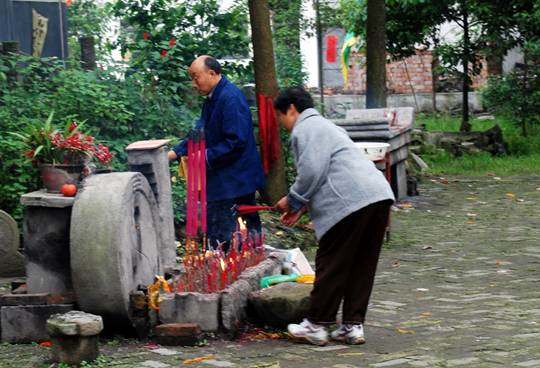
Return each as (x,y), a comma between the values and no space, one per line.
(62,155)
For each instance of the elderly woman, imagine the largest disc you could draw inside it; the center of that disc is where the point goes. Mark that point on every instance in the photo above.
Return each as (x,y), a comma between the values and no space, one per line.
(349,200)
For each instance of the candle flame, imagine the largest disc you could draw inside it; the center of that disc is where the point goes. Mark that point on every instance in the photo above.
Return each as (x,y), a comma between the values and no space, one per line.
(242,224)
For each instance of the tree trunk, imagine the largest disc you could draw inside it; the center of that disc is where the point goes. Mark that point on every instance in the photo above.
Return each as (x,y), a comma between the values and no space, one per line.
(88,53)
(376,54)
(266,84)
(434,71)
(465,125)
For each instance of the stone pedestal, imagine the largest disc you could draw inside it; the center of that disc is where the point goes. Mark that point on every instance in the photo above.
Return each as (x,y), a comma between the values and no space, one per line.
(74,337)
(46,225)
(150,159)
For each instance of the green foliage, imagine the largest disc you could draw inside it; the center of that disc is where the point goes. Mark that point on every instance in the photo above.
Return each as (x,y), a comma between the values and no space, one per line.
(87,18)
(198,27)
(288,25)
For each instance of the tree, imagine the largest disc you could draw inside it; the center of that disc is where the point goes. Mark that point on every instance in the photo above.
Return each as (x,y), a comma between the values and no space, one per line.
(376,54)
(266,85)
(484,24)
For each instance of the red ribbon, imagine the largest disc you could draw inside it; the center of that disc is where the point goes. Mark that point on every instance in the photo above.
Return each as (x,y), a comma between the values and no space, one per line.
(268,132)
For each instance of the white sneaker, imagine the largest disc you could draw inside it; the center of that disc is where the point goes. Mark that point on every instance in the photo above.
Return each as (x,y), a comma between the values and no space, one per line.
(307,331)
(351,334)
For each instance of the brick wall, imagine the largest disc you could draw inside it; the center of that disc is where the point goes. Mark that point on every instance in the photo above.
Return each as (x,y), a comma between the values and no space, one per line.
(412,74)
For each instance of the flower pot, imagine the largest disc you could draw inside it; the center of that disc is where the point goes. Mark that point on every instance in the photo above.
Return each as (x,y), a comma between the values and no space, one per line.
(56,175)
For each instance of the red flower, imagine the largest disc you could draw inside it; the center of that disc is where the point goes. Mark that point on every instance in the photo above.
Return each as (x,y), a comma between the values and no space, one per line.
(72,126)
(163,53)
(172,42)
(145,36)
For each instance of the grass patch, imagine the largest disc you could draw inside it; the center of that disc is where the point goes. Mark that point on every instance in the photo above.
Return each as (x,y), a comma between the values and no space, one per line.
(523,156)
(483,164)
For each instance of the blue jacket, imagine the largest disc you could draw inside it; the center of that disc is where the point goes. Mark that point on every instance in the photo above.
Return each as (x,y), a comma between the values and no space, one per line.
(233,165)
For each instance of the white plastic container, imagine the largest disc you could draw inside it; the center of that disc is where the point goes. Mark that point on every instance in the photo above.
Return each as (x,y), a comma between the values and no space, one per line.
(374,151)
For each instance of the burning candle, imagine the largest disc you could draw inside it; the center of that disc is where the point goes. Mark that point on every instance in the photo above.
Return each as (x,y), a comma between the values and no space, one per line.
(223,273)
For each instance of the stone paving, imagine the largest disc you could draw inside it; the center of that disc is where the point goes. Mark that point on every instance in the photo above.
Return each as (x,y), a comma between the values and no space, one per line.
(458,286)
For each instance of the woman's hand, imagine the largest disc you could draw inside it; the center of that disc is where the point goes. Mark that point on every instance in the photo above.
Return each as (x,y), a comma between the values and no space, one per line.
(291,218)
(282,205)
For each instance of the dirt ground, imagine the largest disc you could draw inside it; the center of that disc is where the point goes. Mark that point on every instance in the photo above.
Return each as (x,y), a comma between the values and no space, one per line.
(457,285)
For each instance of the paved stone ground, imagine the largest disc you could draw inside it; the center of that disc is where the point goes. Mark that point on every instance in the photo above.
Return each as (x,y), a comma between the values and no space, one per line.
(458,285)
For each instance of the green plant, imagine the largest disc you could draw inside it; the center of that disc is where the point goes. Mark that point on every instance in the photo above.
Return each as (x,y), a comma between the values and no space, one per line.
(517,94)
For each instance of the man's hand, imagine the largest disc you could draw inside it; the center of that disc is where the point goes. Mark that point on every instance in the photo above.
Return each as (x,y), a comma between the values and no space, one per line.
(171,155)
(291,218)
(282,205)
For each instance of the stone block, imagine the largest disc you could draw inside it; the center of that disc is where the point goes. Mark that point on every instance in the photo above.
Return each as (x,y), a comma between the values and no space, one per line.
(73,350)
(282,304)
(234,300)
(74,337)
(178,334)
(191,308)
(46,247)
(25,324)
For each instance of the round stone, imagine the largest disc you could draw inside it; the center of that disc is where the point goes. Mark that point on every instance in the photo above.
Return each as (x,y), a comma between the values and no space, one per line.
(11,261)
(114,241)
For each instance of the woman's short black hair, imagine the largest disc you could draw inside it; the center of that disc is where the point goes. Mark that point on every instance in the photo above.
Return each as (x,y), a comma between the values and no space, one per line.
(297,96)
(212,64)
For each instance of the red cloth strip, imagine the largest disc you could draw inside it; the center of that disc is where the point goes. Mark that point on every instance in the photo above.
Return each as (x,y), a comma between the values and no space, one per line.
(268,132)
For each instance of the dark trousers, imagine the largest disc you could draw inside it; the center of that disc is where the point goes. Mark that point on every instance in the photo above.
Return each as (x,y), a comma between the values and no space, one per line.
(345,265)
(222,222)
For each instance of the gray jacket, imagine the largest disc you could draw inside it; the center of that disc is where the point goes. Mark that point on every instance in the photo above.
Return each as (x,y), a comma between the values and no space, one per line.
(334,177)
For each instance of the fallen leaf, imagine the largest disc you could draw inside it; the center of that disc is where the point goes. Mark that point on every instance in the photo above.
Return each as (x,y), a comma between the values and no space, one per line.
(426,314)
(151,346)
(395,264)
(471,222)
(197,360)
(404,331)
(510,195)
(45,344)
(498,263)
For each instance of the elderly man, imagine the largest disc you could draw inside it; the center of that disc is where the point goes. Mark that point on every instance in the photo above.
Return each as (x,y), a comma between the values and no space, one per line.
(233,166)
